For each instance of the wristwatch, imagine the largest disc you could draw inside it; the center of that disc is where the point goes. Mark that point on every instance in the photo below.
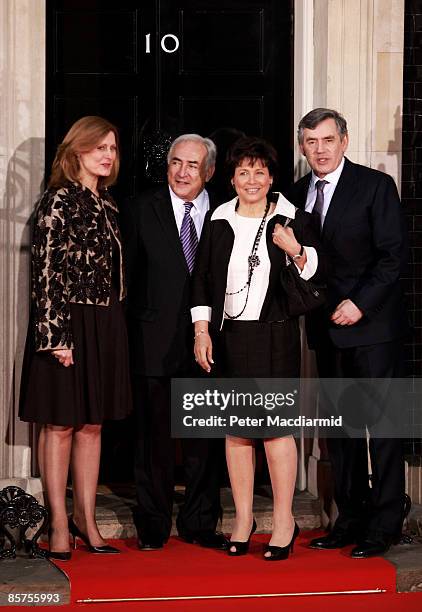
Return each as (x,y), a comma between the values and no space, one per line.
(299,254)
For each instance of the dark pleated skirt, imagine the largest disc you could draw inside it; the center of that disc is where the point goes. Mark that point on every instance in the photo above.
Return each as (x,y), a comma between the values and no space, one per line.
(96,387)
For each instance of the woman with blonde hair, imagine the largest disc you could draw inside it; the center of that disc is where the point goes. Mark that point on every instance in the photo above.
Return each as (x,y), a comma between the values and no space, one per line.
(76,371)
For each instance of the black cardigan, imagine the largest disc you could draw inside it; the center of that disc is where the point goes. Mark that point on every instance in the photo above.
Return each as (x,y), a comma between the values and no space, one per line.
(212,260)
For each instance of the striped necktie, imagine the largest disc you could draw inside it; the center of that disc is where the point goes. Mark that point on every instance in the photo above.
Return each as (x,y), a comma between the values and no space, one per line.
(189,237)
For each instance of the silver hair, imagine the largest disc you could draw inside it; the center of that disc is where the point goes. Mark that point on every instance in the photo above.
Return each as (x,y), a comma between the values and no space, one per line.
(316,116)
(208,144)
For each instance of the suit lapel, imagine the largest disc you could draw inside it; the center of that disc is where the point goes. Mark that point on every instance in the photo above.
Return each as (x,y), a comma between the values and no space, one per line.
(273,250)
(301,194)
(340,200)
(212,200)
(165,214)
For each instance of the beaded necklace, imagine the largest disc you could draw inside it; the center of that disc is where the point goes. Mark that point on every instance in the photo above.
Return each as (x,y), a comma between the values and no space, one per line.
(253,262)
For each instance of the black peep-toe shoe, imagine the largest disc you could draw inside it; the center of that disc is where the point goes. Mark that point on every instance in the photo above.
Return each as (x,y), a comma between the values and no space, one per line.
(279,553)
(241,548)
(77,533)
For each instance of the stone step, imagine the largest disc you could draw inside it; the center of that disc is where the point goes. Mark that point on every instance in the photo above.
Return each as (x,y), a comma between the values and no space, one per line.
(115,505)
(32,582)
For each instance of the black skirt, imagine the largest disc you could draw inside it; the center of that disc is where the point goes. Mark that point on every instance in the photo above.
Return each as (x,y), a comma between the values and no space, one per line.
(257,349)
(96,387)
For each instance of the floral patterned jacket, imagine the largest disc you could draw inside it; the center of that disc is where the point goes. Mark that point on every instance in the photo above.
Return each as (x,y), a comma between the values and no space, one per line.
(71,259)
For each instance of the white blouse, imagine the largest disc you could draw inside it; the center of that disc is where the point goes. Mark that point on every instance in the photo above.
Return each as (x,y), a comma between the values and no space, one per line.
(245,229)
(237,274)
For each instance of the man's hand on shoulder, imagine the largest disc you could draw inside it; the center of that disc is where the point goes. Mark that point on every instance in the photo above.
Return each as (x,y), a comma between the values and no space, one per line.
(346,313)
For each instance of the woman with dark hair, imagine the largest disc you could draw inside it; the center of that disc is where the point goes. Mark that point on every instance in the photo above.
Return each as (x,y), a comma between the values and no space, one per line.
(76,371)
(223,138)
(238,299)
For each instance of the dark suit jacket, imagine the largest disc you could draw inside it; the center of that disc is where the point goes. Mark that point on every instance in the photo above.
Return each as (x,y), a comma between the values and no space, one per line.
(160,325)
(212,261)
(365,238)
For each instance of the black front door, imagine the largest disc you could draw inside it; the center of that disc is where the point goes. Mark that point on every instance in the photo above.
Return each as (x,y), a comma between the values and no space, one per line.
(159,68)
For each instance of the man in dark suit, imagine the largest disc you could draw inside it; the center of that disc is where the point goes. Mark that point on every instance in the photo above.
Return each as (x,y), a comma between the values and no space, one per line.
(161,233)
(360,333)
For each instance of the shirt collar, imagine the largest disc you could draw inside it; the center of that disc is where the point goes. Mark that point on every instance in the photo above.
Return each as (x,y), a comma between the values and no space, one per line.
(199,202)
(333,177)
(228,209)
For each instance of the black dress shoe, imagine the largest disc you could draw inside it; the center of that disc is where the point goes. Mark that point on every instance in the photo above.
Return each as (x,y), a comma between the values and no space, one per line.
(333,540)
(150,544)
(368,549)
(207,539)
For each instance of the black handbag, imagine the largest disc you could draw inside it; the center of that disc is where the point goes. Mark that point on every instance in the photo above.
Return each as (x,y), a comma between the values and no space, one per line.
(302,296)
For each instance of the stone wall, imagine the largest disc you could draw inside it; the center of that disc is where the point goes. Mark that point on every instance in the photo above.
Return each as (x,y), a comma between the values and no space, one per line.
(22,117)
(358,70)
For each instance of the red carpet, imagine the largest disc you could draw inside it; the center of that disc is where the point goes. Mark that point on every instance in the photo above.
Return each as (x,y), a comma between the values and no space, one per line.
(387,602)
(182,570)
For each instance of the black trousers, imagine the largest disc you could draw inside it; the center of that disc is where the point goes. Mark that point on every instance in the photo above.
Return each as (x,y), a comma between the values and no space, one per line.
(155,466)
(375,511)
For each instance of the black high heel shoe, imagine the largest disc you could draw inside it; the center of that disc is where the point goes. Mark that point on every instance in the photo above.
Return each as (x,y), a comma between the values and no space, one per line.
(77,533)
(279,553)
(241,547)
(53,554)
(59,556)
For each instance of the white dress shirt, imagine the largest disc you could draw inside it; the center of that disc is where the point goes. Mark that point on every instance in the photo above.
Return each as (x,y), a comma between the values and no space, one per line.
(332,179)
(201,205)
